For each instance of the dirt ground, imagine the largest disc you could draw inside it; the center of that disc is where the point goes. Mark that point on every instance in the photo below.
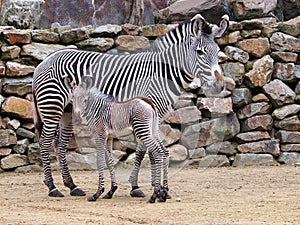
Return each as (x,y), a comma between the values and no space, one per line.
(264,195)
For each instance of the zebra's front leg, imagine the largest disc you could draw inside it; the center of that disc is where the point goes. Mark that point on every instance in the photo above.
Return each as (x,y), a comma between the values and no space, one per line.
(101,148)
(45,142)
(133,179)
(110,164)
(61,142)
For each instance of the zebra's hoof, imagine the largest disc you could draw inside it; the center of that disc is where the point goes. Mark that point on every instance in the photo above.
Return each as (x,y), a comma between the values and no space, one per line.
(55,193)
(137,193)
(77,192)
(92,198)
(151,200)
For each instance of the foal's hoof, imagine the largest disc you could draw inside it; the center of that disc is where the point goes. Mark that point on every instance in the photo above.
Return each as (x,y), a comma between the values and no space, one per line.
(77,192)
(137,193)
(151,200)
(55,193)
(92,198)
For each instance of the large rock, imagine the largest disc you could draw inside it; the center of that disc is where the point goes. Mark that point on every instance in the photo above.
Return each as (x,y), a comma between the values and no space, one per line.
(132,43)
(289,123)
(224,148)
(19,107)
(169,135)
(257,47)
(45,36)
(10,52)
(17,69)
(279,93)
(242,160)
(96,44)
(284,56)
(284,42)
(183,10)
(74,35)
(209,132)
(252,136)
(184,115)
(178,153)
(215,105)
(286,110)
(22,14)
(261,72)
(249,9)
(290,147)
(19,87)
(267,146)
(7,137)
(12,161)
(287,72)
(291,27)
(154,31)
(214,161)
(108,30)
(231,38)
(17,36)
(289,158)
(241,97)
(236,54)
(254,109)
(288,136)
(235,70)
(260,122)
(40,51)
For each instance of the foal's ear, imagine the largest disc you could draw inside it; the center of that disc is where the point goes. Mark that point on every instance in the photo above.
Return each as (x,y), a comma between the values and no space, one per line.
(87,82)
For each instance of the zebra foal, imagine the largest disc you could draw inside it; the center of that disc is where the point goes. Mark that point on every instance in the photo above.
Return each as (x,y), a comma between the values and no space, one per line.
(105,116)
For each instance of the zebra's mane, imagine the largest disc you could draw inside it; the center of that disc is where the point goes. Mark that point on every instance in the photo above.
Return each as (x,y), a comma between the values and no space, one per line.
(177,35)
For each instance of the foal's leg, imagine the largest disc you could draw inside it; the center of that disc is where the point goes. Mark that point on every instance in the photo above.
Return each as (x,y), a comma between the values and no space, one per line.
(133,179)
(110,164)
(64,133)
(101,139)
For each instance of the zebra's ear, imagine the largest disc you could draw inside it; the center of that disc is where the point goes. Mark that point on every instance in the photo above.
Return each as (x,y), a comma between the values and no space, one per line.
(67,82)
(197,23)
(87,82)
(219,31)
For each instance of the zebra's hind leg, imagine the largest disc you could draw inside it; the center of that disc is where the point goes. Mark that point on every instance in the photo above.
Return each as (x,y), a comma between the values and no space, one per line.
(133,179)
(110,164)
(46,139)
(61,142)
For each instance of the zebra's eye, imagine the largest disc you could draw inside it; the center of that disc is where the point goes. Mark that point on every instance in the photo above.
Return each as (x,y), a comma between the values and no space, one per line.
(200,52)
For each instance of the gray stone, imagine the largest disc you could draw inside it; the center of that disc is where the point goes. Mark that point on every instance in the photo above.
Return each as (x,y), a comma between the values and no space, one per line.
(13,124)
(17,86)
(184,115)
(12,161)
(291,27)
(7,137)
(286,110)
(289,158)
(231,38)
(284,56)
(25,133)
(288,136)
(257,47)
(261,72)
(34,153)
(22,14)
(279,93)
(21,146)
(251,33)
(169,135)
(4,152)
(291,123)
(241,97)
(290,147)
(242,160)
(284,42)
(132,43)
(74,35)
(214,161)
(257,108)
(249,9)
(10,52)
(17,69)
(287,72)
(29,169)
(225,148)
(108,30)
(215,105)
(96,44)
(237,54)
(234,70)
(252,136)
(208,132)
(40,51)
(197,153)
(45,36)
(260,122)
(266,146)
(78,161)
(178,153)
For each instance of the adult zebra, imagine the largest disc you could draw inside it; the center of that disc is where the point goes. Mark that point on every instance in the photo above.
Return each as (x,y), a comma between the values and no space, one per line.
(159,73)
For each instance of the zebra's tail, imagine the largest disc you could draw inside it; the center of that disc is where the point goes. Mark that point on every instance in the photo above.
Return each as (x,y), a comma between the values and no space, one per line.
(36,117)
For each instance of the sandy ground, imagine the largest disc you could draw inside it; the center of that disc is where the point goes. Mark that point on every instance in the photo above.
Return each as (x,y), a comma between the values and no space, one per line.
(264,195)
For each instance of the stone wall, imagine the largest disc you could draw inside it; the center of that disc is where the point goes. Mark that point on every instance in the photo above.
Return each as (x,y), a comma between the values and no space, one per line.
(255,122)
